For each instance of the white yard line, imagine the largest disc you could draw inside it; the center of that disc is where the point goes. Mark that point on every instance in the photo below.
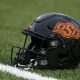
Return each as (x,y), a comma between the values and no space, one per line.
(22,73)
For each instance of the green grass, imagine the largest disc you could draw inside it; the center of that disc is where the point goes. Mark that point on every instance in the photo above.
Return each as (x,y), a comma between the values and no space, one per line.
(6,76)
(71,74)
(17,14)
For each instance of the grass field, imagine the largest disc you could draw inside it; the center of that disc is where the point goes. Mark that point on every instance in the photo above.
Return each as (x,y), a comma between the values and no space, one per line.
(17,14)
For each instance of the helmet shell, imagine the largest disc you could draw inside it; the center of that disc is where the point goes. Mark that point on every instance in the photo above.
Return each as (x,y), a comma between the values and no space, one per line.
(50,23)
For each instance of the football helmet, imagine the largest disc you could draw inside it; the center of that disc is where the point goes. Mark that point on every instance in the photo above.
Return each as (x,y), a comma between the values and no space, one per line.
(55,43)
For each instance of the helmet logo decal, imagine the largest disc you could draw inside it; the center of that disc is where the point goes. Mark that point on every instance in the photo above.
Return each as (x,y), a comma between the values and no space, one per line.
(67,30)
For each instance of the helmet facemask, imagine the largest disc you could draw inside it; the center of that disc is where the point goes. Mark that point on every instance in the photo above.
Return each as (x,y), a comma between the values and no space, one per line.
(35,51)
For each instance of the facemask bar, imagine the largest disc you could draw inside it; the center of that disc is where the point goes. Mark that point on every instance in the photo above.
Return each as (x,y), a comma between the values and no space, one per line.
(20,48)
(23,49)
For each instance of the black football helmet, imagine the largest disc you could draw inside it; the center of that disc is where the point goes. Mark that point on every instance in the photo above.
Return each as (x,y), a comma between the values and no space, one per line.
(55,43)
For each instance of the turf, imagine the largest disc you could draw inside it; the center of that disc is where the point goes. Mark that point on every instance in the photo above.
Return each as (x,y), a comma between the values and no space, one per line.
(6,76)
(17,14)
